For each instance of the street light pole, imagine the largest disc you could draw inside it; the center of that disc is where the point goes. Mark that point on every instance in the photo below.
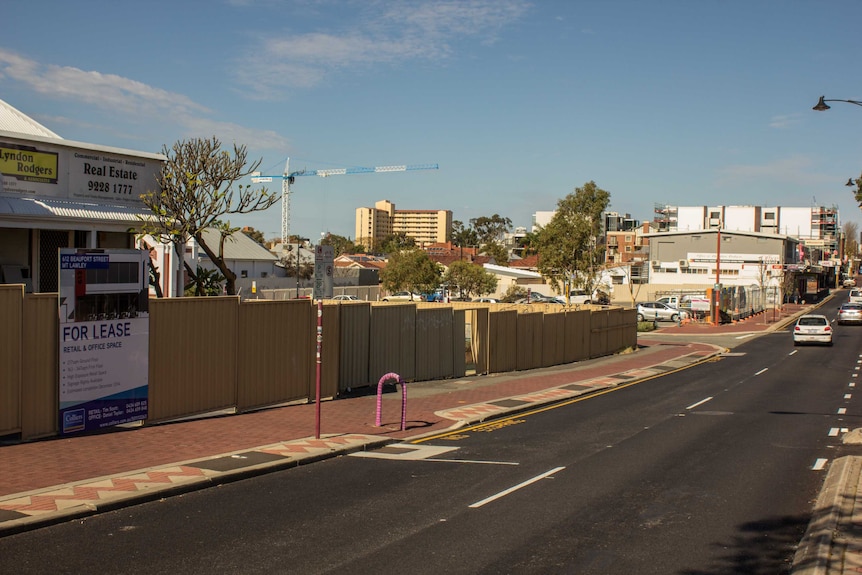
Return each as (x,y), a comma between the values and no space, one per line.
(822,107)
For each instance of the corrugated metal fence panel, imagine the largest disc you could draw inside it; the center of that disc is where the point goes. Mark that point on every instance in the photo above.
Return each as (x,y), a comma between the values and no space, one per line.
(459,342)
(577,335)
(434,347)
(530,340)
(275,344)
(330,352)
(599,333)
(616,341)
(630,322)
(11,347)
(192,356)
(354,345)
(393,341)
(40,409)
(554,339)
(502,341)
(479,339)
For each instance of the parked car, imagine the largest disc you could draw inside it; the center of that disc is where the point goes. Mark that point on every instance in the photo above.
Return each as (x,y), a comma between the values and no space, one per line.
(812,328)
(850,313)
(536,297)
(486,300)
(849,283)
(404,296)
(346,297)
(855,296)
(653,310)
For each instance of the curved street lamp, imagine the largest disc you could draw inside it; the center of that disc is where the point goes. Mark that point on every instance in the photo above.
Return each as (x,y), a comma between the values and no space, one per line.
(822,107)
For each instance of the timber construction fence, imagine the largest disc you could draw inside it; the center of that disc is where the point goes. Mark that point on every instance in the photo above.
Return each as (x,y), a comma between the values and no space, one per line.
(216,354)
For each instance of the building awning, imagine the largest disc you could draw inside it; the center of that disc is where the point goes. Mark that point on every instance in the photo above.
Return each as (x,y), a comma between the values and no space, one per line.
(50,208)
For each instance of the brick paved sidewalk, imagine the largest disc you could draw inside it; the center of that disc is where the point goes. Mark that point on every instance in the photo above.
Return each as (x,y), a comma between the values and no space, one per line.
(58,478)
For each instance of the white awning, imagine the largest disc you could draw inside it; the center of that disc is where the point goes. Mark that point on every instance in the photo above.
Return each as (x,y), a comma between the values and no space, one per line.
(49,208)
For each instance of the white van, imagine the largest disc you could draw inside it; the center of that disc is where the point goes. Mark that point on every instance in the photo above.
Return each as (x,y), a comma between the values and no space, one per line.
(855,296)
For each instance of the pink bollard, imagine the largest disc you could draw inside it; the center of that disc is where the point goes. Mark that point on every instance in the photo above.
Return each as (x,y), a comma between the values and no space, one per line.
(380,383)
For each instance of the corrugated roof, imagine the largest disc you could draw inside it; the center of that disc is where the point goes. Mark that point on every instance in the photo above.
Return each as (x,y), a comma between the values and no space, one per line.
(35,207)
(14,120)
(238,247)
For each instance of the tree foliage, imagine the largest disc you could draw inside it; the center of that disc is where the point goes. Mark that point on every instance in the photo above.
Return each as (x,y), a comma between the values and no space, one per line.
(254,234)
(491,229)
(497,251)
(463,237)
(568,246)
(342,245)
(410,270)
(198,187)
(394,243)
(472,280)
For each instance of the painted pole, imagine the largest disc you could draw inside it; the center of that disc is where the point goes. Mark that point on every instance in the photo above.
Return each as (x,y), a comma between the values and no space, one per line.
(317,375)
(397,378)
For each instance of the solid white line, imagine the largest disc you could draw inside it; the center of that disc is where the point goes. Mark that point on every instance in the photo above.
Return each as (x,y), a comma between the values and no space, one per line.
(476,461)
(819,464)
(764,370)
(795,351)
(744,336)
(701,402)
(515,488)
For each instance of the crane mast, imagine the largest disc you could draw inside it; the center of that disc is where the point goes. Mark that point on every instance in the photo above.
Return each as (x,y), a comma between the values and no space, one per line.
(287,178)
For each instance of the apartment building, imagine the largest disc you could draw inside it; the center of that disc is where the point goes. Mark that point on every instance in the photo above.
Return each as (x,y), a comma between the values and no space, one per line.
(424,226)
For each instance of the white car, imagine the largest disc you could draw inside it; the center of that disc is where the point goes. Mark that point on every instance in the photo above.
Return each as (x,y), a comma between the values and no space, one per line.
(404,296)
(812,328)
(855,296)
(346,297)
(657,311)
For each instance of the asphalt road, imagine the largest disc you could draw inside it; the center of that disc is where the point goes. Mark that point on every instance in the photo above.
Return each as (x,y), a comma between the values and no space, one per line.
(709,470)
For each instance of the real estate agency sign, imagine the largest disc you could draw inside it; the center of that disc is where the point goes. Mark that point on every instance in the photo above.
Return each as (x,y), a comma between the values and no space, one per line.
(104,338)
(99,175)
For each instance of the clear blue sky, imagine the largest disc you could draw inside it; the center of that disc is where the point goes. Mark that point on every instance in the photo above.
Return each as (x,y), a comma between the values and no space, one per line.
(674,101)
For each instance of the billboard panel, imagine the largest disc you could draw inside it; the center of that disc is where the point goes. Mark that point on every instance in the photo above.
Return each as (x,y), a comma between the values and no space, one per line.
(104,338)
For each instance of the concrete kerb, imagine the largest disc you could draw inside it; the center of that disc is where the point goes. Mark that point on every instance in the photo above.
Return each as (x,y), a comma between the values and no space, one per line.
(215,478)
(817,553)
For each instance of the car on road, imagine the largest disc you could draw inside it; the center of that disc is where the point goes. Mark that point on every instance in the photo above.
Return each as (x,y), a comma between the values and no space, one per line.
(404,296)
(855,296)
(812,328)
(346,297)
(654,310)
(486,300)
(849,283)
(850,313)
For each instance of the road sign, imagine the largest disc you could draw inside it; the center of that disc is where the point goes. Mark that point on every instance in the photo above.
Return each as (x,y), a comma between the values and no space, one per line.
(324,257)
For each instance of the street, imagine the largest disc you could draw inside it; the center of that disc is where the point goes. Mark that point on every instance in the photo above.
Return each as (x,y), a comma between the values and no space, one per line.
(707,470)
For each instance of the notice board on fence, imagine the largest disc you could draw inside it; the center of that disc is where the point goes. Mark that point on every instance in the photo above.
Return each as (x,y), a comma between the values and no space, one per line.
(104,338)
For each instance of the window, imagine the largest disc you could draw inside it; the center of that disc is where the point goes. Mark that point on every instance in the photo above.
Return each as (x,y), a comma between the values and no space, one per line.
(769,216)
(243,274)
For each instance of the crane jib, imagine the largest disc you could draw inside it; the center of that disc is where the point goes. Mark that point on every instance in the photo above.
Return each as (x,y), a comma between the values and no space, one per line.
(347,171)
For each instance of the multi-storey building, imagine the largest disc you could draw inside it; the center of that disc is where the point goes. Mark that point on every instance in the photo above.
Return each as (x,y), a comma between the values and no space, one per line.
(424,226)
(816,227)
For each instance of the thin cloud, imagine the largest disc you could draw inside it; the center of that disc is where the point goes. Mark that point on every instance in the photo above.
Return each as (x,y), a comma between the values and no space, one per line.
(131,98)
(784,121)
(384,33)
(792,170)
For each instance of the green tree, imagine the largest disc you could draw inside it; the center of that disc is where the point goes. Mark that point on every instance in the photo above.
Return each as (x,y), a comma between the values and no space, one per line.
(342,245)
(198,187)
(394,243)
(254,234)
(463,237)
(568,246)
(472,280)
(497,251)
(410,270)
(204,282)
(491,229)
